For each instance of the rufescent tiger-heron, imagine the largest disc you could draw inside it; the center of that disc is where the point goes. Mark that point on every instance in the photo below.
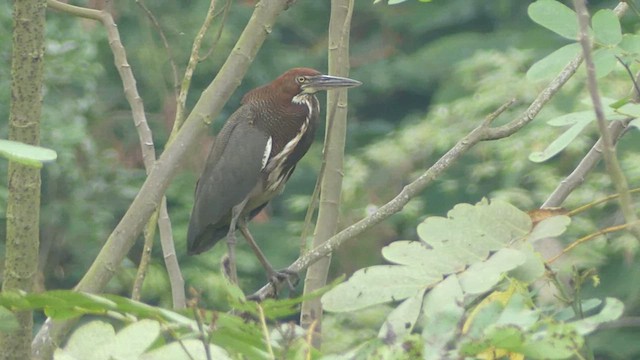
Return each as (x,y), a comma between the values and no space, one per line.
(252,158)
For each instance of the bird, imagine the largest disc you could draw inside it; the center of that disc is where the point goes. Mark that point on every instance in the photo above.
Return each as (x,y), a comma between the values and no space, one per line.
(252,157)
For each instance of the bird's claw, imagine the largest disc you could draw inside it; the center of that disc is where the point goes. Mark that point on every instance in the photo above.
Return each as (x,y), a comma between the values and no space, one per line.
(290,277)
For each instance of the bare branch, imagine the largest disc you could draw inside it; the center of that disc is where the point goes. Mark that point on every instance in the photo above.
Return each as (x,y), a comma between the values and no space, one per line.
(165,43)
(608,149)
(331,185)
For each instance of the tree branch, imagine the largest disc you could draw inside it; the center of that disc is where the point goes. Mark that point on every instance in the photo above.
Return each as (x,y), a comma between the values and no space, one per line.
(588,163)
(23,181)
(331,186)
(149,197)
(608,149)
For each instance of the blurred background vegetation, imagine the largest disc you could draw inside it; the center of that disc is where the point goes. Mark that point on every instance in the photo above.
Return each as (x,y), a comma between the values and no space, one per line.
(431,73)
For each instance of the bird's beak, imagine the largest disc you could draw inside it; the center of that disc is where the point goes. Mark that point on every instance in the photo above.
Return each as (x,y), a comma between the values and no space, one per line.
(328,82)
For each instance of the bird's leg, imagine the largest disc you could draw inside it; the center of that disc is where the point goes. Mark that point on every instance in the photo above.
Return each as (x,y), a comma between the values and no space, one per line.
(236,212)
(272,274)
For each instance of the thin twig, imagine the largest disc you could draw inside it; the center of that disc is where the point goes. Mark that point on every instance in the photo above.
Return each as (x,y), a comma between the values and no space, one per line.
(216,39)
(597,202)
(636,89)
(592,236)
(608,150)
(165,43)
(191,66)
(149,235)
(265,331)
(203,334)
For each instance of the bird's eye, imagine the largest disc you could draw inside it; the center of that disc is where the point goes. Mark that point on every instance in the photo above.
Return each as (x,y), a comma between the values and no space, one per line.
(301,79)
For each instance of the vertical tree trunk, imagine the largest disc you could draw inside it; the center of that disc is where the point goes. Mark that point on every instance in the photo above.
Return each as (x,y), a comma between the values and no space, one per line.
(23,206)
(331,185)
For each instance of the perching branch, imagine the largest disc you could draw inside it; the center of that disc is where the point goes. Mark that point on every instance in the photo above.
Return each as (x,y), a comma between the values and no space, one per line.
(146,143)
(331,184)
(480,133)
(608,149)
(149,197)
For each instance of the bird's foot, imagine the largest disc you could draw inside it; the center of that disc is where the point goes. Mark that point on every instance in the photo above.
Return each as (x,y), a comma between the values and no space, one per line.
(285,275)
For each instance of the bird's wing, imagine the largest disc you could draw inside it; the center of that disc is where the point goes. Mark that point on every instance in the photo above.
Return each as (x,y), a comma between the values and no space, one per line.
(231,172)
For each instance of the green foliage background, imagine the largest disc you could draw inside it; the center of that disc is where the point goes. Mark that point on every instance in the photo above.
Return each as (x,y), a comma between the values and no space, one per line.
(431,73)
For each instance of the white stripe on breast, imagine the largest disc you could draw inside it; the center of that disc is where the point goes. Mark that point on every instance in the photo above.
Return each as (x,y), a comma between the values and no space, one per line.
(275,166)
(267,153)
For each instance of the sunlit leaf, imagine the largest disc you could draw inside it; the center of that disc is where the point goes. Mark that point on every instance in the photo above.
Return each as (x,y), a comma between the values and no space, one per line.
(26,154)
(556,17)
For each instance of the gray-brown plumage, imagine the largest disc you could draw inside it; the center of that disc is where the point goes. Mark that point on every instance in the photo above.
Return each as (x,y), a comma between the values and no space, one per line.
(253,156)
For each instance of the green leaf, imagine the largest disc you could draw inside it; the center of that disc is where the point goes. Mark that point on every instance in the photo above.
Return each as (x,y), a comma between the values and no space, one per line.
(8,321)
(442,311)
(612,310)
(465,237)
(25,154)
(553,63)
(560,143)
(558,341)
(402,319)
(482,276)
(190,349)
(572,118)
(635,123)
(604,61)
(556,17)
(88,340)
(549,227)
(606,27)
(377,285)
(630,43)
(134,339)
(630,109)
(533,267)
